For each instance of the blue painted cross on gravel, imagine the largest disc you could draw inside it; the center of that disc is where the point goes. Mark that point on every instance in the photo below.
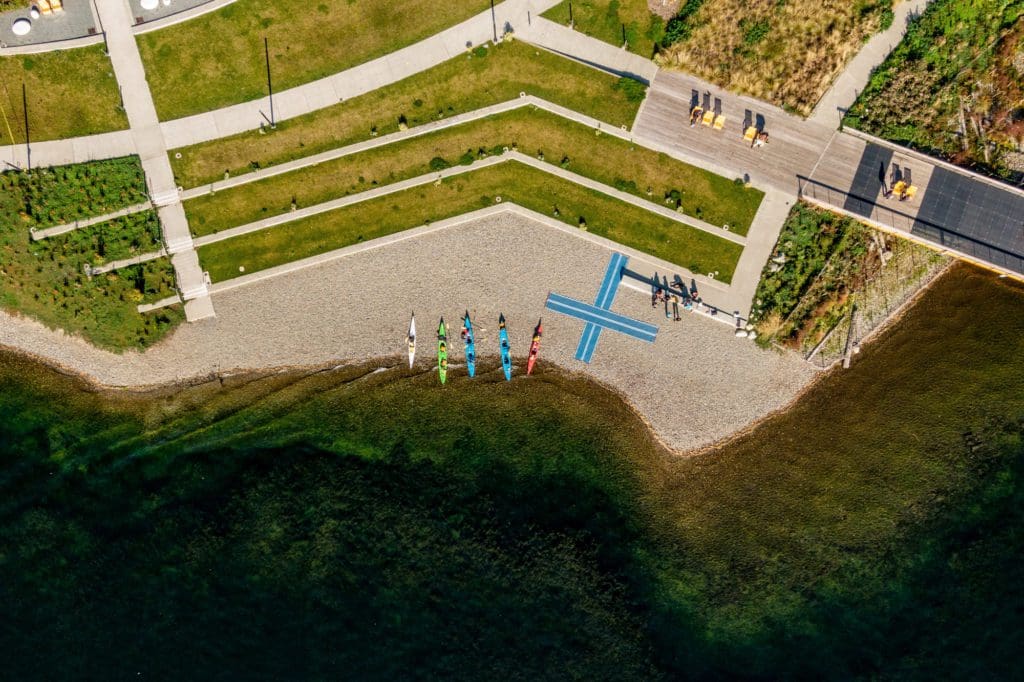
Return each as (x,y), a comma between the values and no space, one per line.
(599,315)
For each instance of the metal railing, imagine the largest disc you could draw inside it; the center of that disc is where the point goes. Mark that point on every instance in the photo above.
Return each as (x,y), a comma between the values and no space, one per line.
(942,238)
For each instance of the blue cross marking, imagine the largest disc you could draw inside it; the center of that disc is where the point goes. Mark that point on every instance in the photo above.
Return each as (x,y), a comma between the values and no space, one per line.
(599,315)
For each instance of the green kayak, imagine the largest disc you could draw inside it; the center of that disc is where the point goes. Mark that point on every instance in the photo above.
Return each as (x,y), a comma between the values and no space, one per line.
(442,352)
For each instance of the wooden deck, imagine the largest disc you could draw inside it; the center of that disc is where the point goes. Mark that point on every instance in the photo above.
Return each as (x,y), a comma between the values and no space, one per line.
(969,216)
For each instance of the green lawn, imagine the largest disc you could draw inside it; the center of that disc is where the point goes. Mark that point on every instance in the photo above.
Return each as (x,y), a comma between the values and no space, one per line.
(45,279)
(462,84)
(70,93)
(608,159)
(218,59)
(690,248)
(613,20)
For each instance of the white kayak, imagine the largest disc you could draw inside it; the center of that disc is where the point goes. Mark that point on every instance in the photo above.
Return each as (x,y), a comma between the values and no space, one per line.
(412,341)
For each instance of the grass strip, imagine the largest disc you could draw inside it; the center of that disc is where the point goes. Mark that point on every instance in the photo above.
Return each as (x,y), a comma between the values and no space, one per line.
(610,160)
(224,49)
(70,93)
(685,246)
(617,22)
(466,83)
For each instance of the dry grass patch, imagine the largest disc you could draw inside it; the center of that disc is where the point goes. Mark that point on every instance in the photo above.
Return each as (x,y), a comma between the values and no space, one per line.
(70,93)
(785,52)
(222,52)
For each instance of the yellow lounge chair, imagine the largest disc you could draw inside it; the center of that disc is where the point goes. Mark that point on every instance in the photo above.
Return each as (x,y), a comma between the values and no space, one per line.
(44,7)
(709,117)
(750,134)
(899,188)
(911,191)
(719,121)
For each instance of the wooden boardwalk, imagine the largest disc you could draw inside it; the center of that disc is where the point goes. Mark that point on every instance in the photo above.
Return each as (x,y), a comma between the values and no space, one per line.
(954,210)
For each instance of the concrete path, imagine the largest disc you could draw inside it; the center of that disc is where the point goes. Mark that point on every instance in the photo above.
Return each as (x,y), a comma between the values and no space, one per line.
(87,222)
(575,45)
(716,295)
(352,82)
(430,178)
(152,150)
(69,150)
(125,262)
(851,80)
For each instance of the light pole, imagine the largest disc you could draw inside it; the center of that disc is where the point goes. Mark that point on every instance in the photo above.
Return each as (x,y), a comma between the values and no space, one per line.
(270,87)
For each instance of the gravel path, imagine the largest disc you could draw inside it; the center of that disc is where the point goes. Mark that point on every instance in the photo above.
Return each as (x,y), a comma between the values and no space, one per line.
(696,384)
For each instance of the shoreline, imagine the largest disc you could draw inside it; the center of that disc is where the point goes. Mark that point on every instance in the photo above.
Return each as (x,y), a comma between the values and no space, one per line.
(696,385)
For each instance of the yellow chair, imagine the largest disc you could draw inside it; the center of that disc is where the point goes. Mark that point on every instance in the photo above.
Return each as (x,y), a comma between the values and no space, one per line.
(750,134)
(911,191)
(709,117)
(719,121)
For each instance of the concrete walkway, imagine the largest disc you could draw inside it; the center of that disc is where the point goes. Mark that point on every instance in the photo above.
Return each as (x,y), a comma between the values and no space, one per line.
(152,150)
(716,295)
(580,47)
(356,81)
(78,224)
(430,178)
(855,76)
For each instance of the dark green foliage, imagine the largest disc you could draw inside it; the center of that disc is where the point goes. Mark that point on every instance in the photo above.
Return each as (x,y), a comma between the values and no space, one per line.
(63,194)
(679,27)
(46,278)
(810,239)
(754,30)
(955,54)
(438,164)
(634,90)
(330,525)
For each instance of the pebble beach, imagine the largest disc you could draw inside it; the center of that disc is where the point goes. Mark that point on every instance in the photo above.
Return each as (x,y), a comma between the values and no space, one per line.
(697,384)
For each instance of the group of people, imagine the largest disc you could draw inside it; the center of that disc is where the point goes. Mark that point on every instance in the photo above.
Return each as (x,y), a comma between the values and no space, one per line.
(688,301)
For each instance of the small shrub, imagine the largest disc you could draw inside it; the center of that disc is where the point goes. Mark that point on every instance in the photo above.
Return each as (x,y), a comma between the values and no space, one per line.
(754,30)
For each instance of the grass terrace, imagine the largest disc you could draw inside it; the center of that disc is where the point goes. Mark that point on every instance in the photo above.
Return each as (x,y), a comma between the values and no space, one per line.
(661,237)
(612,161)
(784,52)
(70,93)
(218,59)
(465,83)
(614,21)
(46,279)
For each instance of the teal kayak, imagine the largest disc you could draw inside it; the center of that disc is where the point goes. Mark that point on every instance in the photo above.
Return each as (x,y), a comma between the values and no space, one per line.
(469,343)
(506,351)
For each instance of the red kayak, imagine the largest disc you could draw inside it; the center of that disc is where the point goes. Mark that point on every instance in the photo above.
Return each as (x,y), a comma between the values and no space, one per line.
(534,347)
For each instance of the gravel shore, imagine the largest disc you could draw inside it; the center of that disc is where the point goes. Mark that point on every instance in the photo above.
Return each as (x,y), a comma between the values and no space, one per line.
(695,385)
